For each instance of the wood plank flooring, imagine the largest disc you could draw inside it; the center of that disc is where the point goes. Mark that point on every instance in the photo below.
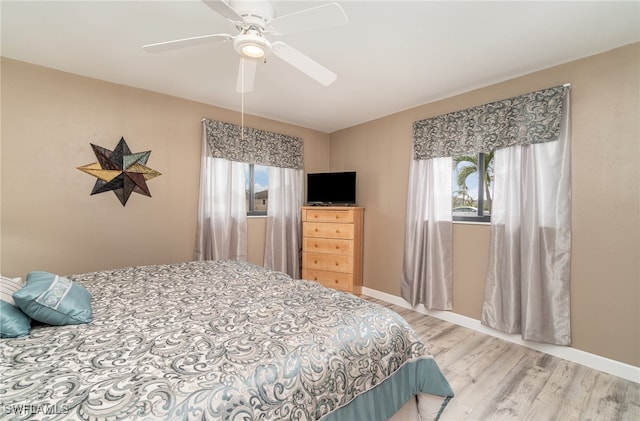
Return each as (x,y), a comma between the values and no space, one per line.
(497,380)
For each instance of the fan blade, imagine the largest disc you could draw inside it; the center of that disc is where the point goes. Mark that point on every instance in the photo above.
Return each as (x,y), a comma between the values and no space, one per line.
(324,16)
(304,63)
(224,9)
(246,75)
(186,42)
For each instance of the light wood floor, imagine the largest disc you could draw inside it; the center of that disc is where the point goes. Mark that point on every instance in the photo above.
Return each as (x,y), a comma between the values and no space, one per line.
(497,380)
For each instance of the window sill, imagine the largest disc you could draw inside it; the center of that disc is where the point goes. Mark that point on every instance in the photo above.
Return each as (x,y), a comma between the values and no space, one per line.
(472,222)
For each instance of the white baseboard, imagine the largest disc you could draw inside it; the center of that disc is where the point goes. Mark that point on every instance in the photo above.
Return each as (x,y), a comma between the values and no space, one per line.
(617,368)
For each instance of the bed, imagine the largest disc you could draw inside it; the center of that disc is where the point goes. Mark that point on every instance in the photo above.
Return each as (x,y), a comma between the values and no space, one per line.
(220,340)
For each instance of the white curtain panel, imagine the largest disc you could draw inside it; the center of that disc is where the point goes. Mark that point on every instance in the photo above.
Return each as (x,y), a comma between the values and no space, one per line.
(283,242)
(527,287)
(222,214)
(427,267)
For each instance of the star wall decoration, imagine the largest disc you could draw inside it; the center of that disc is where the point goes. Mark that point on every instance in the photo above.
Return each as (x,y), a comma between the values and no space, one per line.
(120,171)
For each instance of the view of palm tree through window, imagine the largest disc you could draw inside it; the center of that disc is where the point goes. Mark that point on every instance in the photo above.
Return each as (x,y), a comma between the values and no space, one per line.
(472,186)
(256,181)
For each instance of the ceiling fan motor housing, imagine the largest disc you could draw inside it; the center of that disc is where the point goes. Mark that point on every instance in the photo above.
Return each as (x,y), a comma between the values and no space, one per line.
(256,16)
(257,13)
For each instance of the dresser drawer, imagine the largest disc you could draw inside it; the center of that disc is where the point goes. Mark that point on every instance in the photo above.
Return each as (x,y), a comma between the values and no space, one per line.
(324,230)
(330,262)
(327,245)
(337,280)
(324,215)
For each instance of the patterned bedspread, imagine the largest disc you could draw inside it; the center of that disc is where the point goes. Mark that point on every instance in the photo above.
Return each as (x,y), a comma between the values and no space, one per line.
(205,340)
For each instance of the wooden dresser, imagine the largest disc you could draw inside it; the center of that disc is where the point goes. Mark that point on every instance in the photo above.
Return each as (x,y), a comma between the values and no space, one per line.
(332,246)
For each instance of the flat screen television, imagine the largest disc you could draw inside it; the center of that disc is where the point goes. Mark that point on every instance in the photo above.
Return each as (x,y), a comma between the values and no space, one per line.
(331,188)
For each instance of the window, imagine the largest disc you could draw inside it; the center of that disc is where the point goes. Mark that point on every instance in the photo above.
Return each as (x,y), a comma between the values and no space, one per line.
(256,179)
(472,187)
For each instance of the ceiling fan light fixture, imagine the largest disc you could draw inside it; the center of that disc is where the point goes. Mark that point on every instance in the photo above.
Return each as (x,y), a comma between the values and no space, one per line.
(252,44)
(252,50)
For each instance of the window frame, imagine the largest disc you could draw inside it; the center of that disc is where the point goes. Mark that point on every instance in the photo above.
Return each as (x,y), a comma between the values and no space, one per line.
(480,217)
(252,194)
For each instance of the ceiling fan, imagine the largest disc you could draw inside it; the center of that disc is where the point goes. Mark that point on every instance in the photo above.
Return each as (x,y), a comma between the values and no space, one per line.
(256,18)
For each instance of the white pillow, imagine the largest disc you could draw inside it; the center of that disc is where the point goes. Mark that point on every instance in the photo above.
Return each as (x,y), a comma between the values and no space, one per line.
(7,287)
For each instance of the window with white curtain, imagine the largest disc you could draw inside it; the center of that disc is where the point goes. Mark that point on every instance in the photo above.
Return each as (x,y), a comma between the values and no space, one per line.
(273,164)
(527,287)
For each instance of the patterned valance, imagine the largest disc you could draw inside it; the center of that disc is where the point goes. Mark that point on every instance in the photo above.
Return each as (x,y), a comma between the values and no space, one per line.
(254,146)
(525,119)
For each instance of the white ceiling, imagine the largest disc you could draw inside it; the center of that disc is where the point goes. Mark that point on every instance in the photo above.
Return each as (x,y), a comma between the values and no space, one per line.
(391,56)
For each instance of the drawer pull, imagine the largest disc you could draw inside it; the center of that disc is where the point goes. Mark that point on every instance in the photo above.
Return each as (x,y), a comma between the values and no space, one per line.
(337,264)
(337,231)
(337,247)
(315,216)
(315,245)
(315,261)
(337,217)
(315,278)
(336,281)
(316,230)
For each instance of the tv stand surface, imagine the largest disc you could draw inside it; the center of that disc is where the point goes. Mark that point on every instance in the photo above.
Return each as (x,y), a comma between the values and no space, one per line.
(330,204)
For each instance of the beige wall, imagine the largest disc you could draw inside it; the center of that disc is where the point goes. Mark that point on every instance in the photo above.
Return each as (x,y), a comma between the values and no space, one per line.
(606,199)
(50,221)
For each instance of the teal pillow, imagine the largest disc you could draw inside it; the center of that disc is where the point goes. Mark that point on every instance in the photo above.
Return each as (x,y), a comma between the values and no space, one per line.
(52,299)
(13,322)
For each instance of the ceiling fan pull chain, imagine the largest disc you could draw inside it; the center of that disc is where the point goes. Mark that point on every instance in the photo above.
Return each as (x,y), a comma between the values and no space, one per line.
(242,100)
